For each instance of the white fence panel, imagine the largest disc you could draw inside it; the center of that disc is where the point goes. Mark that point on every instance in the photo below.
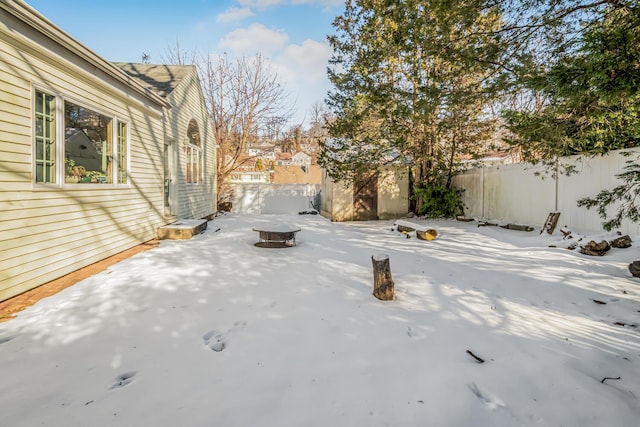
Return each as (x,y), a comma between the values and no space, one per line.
(525,193)
(592,175)
(273,198)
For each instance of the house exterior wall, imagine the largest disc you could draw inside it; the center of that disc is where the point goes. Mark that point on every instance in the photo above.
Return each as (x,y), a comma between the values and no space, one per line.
(49,231)
(187,103)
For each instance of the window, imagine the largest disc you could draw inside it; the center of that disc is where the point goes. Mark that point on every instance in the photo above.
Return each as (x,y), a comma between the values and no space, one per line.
(45,133)
(122,153)
(88,146)
(193,154)
(82,137)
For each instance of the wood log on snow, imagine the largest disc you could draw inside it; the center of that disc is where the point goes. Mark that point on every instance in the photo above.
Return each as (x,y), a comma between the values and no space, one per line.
(404,228)
(594,248)
(429,234)
(383,286)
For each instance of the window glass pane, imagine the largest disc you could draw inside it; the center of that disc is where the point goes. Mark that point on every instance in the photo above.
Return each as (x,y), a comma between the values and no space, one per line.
(188,158)
(122,153)
(199,165)
(45,131)
(193,133)
(88,146)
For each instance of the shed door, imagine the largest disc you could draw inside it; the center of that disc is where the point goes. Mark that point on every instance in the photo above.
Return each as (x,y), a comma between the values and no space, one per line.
(365,198)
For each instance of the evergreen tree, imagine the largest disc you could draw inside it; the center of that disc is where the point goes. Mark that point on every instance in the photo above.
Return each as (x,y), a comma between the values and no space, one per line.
(411,78)
(592,97)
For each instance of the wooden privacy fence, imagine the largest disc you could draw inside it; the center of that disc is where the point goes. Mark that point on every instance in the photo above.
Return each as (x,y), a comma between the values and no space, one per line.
(525,193)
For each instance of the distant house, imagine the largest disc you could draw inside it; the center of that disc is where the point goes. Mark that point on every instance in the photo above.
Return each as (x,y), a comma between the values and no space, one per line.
(94,159)
(262,149)
(283,159)
(247,177)
(301,159)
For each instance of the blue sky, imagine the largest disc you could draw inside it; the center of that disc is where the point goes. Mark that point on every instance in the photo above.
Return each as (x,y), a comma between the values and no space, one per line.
(290,33)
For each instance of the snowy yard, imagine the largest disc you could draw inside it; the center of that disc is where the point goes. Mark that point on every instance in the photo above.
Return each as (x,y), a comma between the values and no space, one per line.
(217,332)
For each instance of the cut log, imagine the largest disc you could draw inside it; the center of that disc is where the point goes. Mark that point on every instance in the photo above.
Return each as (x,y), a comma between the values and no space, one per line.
(405,229)
(383,286)
(621,242)
(429,234)
(594,248)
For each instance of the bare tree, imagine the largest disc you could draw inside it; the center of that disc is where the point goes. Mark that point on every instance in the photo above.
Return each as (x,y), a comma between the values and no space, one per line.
(176,55)
(318,127)
(242,96)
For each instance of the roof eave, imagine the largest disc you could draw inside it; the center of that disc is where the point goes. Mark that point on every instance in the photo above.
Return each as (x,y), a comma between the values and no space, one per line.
(37,21)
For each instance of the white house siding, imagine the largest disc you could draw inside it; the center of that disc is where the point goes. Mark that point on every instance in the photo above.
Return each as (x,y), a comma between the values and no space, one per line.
(48,232)
(194,200)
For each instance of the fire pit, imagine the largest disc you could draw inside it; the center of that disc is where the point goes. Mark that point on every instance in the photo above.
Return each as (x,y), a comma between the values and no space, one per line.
(276,236)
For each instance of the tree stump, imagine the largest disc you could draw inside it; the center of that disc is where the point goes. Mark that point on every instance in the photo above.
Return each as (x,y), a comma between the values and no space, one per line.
(383,287)
(634,268)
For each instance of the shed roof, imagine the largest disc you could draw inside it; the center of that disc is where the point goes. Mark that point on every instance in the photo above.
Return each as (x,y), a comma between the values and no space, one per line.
(160,79)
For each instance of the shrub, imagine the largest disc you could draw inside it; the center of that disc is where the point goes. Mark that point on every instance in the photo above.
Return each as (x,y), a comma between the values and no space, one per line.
(439,202)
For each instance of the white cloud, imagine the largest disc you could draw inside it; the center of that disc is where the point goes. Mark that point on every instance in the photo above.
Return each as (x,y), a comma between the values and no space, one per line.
(307,61)
(266,3)
(260,3)
(253,39)
(304,70)
(320,2)
(234,14)
(300,67)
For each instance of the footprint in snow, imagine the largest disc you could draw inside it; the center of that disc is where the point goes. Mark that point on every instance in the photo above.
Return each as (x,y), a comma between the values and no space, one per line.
(214,340)
(6,339)
(492,402)
(123,380)
(415,334)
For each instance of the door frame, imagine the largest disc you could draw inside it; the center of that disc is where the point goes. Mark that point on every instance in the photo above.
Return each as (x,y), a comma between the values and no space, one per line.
(169,178)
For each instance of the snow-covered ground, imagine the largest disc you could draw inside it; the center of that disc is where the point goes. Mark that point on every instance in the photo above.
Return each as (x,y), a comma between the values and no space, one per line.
(217,332)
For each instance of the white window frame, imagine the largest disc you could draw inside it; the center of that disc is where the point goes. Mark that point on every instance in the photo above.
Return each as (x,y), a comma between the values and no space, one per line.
(59,141)
(191,151)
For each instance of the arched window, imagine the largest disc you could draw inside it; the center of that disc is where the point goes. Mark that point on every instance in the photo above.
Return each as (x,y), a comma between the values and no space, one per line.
(193,153)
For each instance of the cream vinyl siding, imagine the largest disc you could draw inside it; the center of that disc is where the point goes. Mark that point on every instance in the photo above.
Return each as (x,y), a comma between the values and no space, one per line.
(48,231)
(194,200)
